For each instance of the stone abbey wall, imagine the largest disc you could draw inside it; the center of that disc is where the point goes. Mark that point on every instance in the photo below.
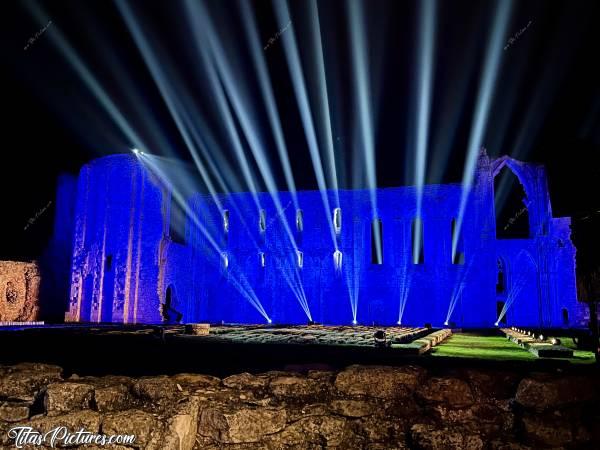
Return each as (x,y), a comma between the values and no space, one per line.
(237,261)
(360,408)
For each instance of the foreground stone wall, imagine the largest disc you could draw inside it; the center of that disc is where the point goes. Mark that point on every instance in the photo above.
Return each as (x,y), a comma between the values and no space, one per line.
(361,407)
(19,291)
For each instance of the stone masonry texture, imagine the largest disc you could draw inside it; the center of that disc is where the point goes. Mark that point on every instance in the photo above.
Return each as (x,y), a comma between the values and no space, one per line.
(359,407)
(19,291)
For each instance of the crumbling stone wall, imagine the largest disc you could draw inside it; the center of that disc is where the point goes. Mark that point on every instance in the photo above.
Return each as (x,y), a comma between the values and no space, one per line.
(19,291)
(361,407)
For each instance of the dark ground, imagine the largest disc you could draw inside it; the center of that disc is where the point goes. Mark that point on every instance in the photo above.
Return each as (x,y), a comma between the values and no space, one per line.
(146,350)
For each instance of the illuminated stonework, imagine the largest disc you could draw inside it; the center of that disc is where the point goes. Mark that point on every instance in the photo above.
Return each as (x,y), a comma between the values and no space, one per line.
(127,268)
(19,291)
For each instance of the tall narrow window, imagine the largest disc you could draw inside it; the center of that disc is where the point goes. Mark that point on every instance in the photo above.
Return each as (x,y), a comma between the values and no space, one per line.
(501,278)
(337,220)
(300,258)
(337,260)
(458,252)
(177,222)
(417,241)
(565,317)
(262,259)
(262,221)
(376,242)
(226,221)
(299,220)
(224,260)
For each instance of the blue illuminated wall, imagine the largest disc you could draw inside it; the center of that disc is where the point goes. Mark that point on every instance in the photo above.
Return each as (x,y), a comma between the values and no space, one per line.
(126,265)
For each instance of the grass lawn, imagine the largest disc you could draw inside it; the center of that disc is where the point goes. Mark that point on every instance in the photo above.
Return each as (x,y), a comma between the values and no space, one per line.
(498,348)
(579,356)
(483,347)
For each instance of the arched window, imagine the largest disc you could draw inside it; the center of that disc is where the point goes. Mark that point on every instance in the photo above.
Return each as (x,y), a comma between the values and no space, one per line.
(417,241)
(510,206)
(457,244)
(565,317)
(501,277)
(224,260)
(300,258)
(337,260)
(262,221)
(337,220)
(376,242)
(299,220)
(226,221)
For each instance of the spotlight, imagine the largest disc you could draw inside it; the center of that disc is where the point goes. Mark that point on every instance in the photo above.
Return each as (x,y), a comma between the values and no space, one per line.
(541,337)
(555,341)
(354,322)
(311,322)
(380,338)
(135,151)
(399,322)
(446,323)
(496,324)
(269,321)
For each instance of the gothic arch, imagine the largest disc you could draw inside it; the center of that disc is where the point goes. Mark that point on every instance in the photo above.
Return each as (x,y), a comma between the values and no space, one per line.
(522,171)
(527,186)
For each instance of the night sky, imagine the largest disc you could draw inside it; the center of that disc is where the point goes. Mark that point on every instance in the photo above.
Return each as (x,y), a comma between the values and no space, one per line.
(545,106)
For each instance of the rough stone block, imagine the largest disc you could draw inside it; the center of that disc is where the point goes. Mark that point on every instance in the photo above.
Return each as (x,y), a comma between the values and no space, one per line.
(246,381)
(155,389)
(14,412)
(63,397)
(24,381)
(379,381)
(326,431)
(195,381)
(297,387)
(113,398)
(547,430)
(146,427)
(73,421)
(428,437)
(450,391)
(353,408)
(544,393)
(243,425)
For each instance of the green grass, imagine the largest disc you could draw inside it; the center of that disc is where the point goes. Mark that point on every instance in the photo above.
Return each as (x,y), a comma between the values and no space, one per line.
(579,356)
(497,348)
(482,347)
